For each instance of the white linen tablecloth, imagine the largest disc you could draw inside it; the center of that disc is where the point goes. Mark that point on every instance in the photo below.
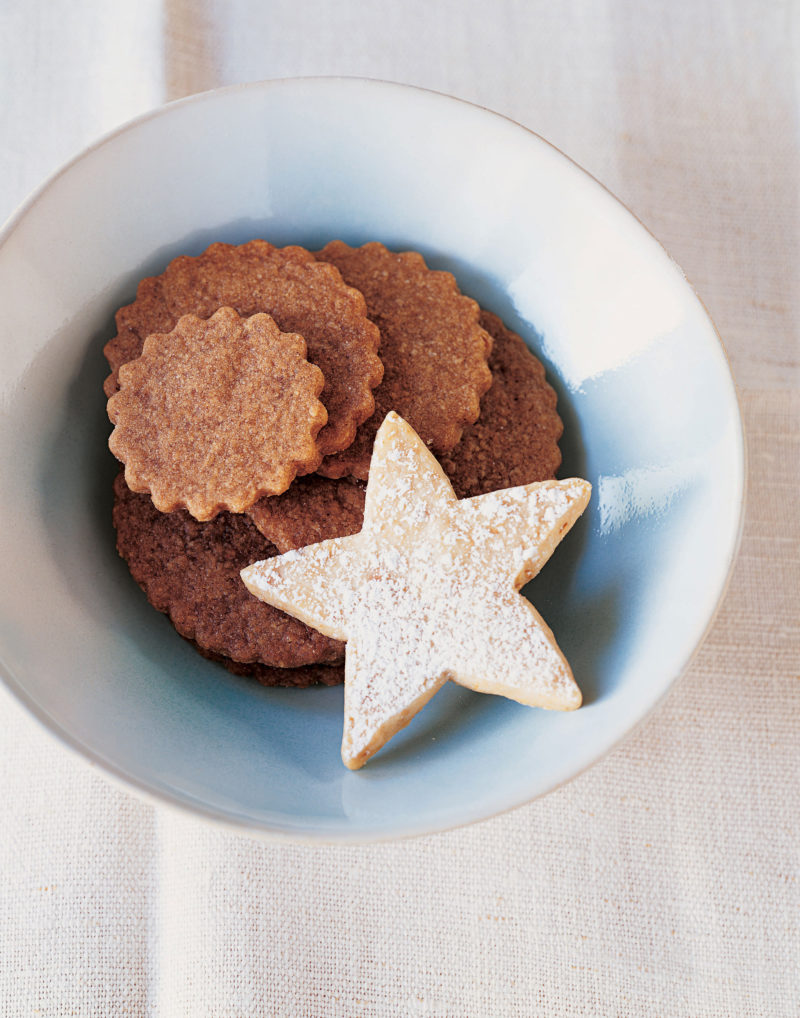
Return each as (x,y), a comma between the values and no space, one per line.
(665,881)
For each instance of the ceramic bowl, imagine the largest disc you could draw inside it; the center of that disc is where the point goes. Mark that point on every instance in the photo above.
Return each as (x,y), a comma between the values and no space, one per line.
(644,389)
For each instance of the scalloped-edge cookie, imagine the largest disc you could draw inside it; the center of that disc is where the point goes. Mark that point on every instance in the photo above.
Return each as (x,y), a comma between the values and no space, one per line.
(300,293)
(433,349)
(217,414)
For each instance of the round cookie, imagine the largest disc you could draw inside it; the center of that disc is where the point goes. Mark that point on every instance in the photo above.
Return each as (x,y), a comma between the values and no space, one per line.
(217,413)
(190,571)
(433,349)
(300,293)
(514,441)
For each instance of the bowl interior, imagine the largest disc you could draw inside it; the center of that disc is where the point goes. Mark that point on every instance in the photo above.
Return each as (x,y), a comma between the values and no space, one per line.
(647,399)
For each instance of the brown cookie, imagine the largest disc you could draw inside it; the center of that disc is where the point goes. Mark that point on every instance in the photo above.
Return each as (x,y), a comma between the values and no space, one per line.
(433,349)
(300,293)
(217,414)
(313,509)
(514,441)
(190,571)
(297,678)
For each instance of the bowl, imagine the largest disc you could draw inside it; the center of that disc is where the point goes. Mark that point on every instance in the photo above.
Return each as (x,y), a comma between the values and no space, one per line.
(650,414)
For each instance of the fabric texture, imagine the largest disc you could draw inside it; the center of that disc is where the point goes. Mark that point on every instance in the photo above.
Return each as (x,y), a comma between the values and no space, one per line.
(666,879)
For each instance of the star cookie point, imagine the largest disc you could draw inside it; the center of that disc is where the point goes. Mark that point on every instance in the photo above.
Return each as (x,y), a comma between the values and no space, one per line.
(428,591)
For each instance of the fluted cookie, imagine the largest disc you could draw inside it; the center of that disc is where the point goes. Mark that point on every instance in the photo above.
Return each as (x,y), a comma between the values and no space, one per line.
(433,349)
(217,413)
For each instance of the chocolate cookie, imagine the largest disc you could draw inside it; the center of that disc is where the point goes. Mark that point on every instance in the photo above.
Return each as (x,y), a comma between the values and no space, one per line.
(300,293)
(433,349)
(297,678)
(190,571)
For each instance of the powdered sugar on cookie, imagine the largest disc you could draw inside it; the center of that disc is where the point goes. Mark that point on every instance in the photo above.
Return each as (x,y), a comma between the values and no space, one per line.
(428,591)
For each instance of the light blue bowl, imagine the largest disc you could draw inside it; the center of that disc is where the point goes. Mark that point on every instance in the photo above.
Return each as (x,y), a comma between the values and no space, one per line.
(645,392)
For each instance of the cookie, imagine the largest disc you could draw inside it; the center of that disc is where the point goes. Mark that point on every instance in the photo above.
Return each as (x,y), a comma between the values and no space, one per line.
(514,441)
(428,591)
(300,293)
(296,678)
(190,571)
(433,350)
(217,413)
(313,509)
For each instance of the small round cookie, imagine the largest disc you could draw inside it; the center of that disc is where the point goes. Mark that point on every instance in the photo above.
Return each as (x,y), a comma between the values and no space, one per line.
(300,293)
(433,349)
(217,414)
(514,441)
(190,571)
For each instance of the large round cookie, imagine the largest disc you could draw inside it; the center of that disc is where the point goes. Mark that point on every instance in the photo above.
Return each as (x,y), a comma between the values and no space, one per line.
(300,293)
(433,349)
(514,441)
(190,571)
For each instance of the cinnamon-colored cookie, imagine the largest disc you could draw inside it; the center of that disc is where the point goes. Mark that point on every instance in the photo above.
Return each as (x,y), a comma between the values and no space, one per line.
(514,441)
(190,571)
(433,350)
(300,293)
(217,413)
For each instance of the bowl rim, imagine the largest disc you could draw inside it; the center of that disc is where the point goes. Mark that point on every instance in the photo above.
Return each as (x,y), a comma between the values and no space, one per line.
(185,803)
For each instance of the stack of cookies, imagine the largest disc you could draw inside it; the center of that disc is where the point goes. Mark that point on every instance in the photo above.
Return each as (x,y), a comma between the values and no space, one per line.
(247,387)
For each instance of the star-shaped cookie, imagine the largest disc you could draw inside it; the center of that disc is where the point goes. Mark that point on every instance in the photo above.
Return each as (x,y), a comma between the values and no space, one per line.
(428,591)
